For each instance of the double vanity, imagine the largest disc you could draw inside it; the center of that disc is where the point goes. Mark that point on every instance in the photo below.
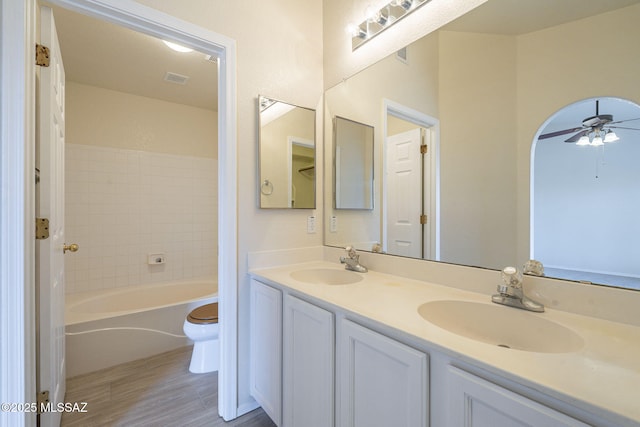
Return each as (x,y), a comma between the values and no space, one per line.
(337,347)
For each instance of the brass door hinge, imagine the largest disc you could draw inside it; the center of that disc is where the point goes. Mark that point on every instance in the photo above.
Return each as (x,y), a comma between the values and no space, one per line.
(423,219)
(42,55)
(42,228)
(423,149)
(43,399)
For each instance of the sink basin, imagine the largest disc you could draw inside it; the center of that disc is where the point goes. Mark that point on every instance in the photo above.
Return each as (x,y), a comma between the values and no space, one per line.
(502,326)
(326,276)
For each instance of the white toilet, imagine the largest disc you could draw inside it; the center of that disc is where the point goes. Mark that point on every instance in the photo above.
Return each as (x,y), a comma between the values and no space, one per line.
(201,326)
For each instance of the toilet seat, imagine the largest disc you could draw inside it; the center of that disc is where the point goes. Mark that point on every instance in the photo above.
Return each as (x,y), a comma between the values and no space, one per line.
(204,315)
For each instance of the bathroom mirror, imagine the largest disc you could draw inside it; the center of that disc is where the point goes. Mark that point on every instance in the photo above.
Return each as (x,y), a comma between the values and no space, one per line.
(287,155)
(352,164)
(480,91)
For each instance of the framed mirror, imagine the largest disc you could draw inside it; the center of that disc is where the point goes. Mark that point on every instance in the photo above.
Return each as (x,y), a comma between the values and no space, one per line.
(287,155)
(352,164)
(481,90)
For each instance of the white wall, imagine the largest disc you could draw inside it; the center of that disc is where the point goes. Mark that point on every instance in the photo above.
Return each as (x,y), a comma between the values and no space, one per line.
(140,178)
(122,205)
(586,204)
(279,54)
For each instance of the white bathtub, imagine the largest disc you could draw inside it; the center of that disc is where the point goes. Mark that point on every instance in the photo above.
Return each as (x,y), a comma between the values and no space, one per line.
(109,327)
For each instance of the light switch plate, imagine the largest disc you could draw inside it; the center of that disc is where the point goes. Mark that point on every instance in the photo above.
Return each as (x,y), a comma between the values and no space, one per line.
(333,224)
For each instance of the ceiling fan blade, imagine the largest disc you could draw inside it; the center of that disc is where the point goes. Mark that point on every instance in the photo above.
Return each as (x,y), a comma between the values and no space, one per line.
(559,132)
(621,127)
(578,135)
(622,121)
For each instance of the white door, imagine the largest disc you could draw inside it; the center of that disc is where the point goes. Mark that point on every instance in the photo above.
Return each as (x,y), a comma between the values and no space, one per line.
(404,194)
(50,190)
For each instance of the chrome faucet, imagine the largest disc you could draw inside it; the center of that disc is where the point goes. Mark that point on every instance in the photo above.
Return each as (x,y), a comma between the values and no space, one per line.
(352,261)
(510,292)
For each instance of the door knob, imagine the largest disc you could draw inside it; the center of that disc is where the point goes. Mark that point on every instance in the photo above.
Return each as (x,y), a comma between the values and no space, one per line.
(72,247)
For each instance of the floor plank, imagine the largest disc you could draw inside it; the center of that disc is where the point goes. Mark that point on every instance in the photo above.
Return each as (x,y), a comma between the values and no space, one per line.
(156,391)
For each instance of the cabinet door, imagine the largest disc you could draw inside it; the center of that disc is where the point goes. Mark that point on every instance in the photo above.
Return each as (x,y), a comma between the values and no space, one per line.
(381,382)
(266,348)
(308,366)
(479,403)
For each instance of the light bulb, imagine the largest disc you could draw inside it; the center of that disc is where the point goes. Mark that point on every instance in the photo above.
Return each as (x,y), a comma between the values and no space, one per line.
(597,141)
(355,31)
(405,4)
(610,136)
(177,47)
(584,140)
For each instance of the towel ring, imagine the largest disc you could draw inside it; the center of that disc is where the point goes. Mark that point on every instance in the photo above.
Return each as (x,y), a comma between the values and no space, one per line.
(266,188)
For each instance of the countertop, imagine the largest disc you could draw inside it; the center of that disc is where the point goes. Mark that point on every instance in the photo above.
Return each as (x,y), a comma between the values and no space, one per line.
(604,374)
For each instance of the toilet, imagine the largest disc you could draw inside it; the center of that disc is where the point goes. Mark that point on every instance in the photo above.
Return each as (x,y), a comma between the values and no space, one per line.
(201,326)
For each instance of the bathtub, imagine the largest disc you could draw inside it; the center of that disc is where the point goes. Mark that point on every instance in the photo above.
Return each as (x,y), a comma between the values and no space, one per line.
(108,327)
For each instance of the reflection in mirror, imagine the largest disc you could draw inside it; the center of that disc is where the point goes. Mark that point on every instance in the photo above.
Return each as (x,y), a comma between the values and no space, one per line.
(491,80)
(586,195)
(287,155)
(353,164)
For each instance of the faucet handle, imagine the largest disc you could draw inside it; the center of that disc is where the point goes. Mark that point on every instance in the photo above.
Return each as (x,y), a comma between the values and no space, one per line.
(533,267)
(511,277)
(351,252)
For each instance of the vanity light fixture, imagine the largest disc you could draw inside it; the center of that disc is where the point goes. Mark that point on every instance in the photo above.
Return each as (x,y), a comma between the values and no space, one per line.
(379,20)
(177,47)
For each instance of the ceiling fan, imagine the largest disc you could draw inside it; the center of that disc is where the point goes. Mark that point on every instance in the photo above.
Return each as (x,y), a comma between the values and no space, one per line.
(600,126)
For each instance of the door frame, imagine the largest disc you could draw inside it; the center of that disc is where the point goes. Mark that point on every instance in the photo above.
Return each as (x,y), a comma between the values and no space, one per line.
(17,118)
(433,180)
(17,189)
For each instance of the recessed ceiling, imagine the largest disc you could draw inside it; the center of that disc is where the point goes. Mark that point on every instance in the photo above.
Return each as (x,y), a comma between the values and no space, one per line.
(106,55)
(524,16)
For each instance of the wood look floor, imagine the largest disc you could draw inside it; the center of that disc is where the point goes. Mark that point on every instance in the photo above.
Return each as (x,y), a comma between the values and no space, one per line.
(157,391)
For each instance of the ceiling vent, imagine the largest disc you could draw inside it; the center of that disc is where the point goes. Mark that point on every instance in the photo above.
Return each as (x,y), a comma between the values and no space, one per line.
(176,78)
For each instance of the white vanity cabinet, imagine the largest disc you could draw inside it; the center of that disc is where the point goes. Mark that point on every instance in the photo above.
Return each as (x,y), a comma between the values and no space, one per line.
(381,382)
(265,360)
(476,402)
(308,365)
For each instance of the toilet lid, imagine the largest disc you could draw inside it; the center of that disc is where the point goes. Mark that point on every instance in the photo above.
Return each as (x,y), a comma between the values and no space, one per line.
(204,314)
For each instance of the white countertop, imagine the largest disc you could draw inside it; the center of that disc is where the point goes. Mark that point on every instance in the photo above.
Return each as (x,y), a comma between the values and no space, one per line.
(604,374)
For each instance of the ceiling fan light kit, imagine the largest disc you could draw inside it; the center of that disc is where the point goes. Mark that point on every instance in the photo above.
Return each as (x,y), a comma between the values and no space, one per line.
(595,130)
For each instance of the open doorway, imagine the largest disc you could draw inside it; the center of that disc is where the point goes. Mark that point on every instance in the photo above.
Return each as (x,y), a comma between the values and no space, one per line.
(154,23)
(410,222)
(584,196)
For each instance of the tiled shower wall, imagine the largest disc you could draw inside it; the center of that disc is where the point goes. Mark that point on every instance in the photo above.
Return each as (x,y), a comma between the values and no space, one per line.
(122,205)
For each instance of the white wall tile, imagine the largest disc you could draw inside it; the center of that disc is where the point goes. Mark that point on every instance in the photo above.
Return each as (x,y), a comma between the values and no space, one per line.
(122,205)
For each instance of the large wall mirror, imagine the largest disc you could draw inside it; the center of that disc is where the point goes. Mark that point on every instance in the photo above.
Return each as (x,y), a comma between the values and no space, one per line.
(287,155)
(457,116)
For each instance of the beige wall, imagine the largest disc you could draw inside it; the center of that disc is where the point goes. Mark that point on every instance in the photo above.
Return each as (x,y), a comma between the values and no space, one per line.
(340,62)
(275,155)
(477,88)
(279,54)
(107,118)
(545,87)
(360,98)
